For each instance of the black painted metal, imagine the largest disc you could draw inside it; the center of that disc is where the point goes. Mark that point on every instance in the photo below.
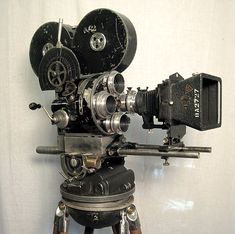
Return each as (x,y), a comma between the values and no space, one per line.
(113,181)
(121,42)
(59,65)
(47,33)
(194,102)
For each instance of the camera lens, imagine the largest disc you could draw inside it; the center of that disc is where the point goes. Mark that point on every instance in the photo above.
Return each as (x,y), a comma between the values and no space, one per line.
(115,83)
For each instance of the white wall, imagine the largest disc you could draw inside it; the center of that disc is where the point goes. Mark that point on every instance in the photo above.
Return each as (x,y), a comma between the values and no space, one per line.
(185,36)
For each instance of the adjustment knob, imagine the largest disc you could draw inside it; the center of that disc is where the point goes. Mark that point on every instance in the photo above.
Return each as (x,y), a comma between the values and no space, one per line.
(34,106)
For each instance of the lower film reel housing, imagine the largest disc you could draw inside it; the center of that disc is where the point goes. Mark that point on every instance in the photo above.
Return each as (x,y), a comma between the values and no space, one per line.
(103,41)
(58,66)
(97,200)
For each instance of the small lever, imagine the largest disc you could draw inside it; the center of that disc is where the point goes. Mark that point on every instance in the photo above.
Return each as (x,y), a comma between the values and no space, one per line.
(60,25)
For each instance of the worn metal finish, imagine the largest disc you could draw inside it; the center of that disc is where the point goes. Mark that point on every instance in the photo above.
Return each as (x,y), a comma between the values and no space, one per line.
(48,150)
(127,101)
(101,206)
(59,44)
(105,104)
(155,152)
(118,123)
(46,38)
(86,143)
(123,223)
(57,66)
(167,148)
(61,220)
(98,41)
(46,48)
(61,118)
(120,47)
(98,199)
(115,82)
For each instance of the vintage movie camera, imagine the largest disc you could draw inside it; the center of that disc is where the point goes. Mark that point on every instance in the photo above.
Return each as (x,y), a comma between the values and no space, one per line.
(91,110)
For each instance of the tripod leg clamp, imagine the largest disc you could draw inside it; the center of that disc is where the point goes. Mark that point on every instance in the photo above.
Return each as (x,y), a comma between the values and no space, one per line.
(61,219)
(133,219)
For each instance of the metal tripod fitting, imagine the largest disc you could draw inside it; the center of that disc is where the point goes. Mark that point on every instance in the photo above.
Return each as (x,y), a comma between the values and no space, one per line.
(129,222)
(61,220)
(133,220)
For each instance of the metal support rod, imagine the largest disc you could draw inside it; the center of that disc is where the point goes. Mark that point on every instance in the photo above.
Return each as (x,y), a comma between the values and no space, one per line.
(155,152)
(48,150)
(59,44)
(176,148)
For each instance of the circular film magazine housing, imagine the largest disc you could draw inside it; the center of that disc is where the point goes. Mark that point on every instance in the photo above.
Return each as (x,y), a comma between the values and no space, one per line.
(58,66)
(46,38)
(104,40)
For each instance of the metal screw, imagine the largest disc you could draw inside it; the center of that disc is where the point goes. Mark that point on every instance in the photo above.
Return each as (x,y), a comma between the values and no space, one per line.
(131,209)
(165,140)
(97,41)
(72,98)
(62,206)
(73,162)
(111,152)
(95,218)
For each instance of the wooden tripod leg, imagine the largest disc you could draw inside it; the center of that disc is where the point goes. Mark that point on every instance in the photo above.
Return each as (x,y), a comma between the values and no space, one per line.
(116,230)
(89,230)
(137,231)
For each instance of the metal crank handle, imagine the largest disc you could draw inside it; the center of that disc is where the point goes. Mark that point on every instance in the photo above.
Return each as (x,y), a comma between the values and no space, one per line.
(35,106)
(60,118)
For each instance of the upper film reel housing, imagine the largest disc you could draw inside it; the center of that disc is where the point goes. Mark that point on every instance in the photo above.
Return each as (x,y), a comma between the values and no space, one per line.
(44,39)
(104,40)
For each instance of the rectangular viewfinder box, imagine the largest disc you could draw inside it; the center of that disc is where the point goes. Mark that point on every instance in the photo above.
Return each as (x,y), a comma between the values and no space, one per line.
(197,101)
